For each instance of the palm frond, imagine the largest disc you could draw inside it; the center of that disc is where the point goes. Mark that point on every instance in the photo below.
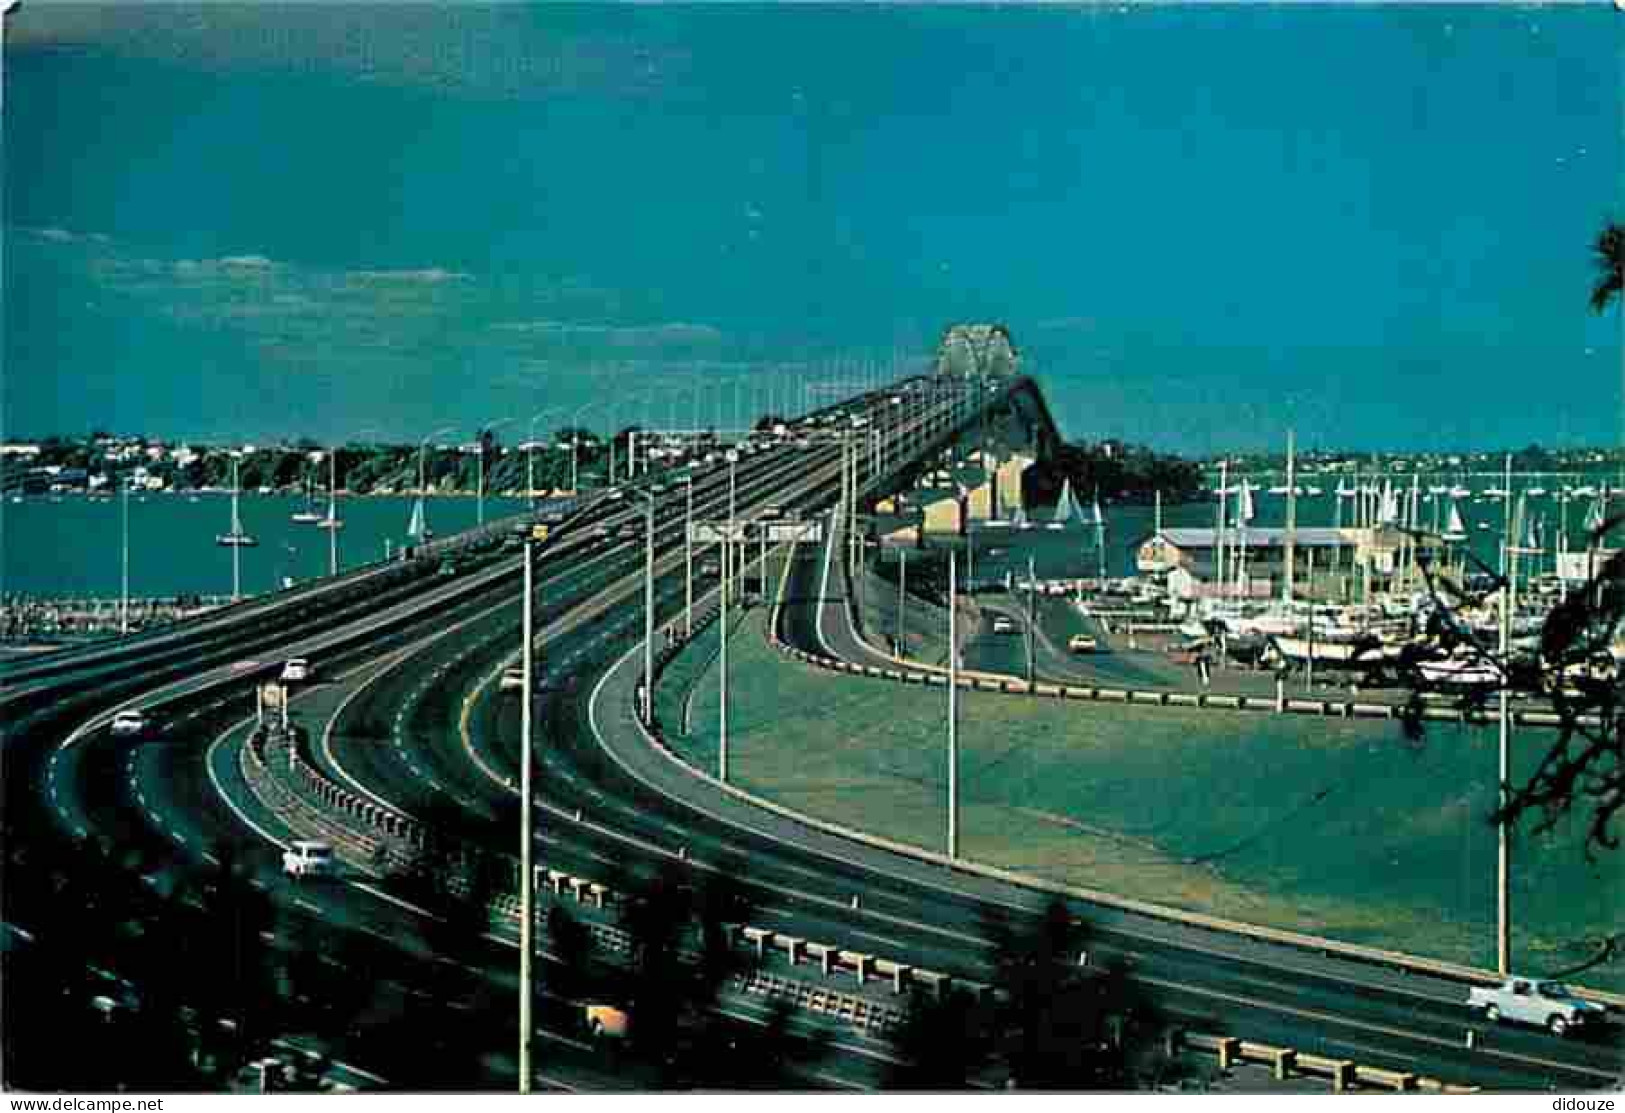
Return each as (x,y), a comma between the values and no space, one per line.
(1610,260)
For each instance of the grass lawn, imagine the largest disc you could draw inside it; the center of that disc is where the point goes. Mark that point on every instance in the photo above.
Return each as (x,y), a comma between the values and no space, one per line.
(1322,826)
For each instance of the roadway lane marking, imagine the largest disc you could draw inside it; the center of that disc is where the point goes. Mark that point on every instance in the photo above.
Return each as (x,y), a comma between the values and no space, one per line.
(220,789)
(399,903)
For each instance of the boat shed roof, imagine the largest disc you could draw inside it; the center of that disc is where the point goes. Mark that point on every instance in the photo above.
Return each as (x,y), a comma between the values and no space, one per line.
(1313,537)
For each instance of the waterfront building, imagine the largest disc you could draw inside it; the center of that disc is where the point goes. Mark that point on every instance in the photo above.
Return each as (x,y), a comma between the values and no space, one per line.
(1255,559)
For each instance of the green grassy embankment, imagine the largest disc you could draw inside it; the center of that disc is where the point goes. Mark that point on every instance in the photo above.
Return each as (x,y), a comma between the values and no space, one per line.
(1324,826)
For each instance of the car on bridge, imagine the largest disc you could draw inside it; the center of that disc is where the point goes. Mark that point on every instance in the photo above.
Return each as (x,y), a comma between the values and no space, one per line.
(1551,1005)
(513,679)
(129,724)
(1082,643)
(1002,625)
(297,669)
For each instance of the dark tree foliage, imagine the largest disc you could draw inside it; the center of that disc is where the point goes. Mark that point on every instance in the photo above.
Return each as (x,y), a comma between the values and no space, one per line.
(1608,252)
(1121,473)
(129,979)
(1062,1024)
(1054,1022)
(681,959)
(1583,770)
(942,1042)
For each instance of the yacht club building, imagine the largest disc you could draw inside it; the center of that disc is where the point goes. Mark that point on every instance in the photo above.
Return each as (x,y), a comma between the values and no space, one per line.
(1251,562)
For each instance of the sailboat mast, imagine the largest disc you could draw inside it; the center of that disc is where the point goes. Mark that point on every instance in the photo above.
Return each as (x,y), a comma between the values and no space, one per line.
(1291,516)
(1224,483)
(1100,538)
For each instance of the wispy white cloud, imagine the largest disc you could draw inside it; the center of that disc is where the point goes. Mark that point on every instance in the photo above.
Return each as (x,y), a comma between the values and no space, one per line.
(427,275)
(673,332)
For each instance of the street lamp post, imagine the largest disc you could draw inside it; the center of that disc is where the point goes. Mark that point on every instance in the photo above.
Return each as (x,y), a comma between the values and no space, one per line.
(733,459)
(1032,606)
(332,522)
(575,441)
(688,559)
(124,562)
(1503,864)
(423,482)
(727,572)
(530,454)
(902,598)
(479,484)
(953,711)
(527,897)
(649,610)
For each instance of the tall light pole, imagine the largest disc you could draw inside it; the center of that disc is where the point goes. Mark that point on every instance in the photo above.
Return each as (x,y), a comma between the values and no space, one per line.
(530,454)
(727,572)
(733,460)
(649,609)
(527,896)
(688,559)
(1503,864)
(953,710)
(423,482)
(124,561)
(575,440)
(902,601)
(1032,600)
(236,530)
(479,484)
(332,522)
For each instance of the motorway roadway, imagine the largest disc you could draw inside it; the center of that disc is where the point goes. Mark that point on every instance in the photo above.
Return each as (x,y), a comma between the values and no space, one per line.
(449,758)
(158,794)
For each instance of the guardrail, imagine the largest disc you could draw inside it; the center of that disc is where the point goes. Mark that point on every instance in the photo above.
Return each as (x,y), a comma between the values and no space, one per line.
(1345,1075)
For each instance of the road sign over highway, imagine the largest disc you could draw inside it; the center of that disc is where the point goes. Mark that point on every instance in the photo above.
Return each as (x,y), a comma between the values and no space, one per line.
(712,533)
(795,531)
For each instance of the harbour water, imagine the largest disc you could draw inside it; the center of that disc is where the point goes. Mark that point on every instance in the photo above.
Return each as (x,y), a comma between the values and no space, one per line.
(71,547)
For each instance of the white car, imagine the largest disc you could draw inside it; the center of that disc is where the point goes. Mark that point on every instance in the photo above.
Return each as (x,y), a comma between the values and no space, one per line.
(308,858)
(1532,1001)
(1003,625)
(297,668)
(127,724)
(513,679)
